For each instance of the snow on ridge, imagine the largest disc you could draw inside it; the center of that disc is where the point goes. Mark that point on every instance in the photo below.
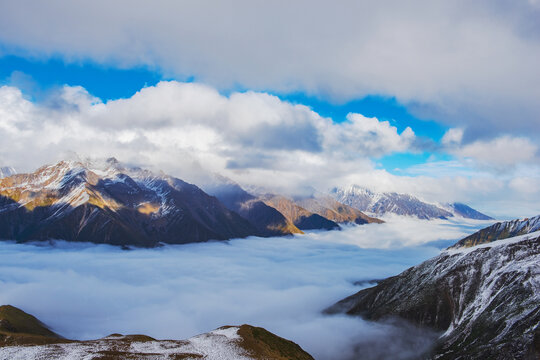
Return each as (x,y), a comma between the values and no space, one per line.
(496,243)
(6,171)
(219,344)
(497,262)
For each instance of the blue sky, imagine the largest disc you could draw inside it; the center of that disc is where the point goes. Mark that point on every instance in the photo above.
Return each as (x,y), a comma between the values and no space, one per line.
(37,76)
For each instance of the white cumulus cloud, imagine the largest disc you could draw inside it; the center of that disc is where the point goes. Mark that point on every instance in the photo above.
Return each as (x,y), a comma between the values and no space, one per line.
(468,63)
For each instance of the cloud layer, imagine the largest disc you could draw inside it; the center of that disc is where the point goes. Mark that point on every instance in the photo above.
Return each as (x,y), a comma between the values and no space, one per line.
(469,64)
(258,140)
(180,127)
(89,291)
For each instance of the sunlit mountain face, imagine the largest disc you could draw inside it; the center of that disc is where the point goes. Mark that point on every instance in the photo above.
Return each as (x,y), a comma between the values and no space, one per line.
(225,172)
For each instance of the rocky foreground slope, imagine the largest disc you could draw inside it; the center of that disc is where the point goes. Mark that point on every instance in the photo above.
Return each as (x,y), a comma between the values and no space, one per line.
(22,336)
(485,300)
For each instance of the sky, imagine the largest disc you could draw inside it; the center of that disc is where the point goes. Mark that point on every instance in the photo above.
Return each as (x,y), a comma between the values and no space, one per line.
(434,98)
(89,291)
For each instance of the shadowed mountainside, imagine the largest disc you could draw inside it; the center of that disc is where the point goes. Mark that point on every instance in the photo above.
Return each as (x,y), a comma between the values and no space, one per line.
(484,299)
(267,220)
(300,217)
(111,204)
(331,209)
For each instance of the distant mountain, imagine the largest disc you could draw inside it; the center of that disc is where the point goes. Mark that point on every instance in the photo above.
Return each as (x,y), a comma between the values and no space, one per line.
(500,230)
(267,220)
(300,217)
(484,299)
(401,204)
(331,209)
(279,215)
(7,171)
(105,202)
(22,336)
(466,211)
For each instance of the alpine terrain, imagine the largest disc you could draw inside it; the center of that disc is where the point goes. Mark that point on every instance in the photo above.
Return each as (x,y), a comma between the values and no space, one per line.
(484,299)
(500,230)
(22,336)
(401,204)
(106,202)
(280,215)
(7,171)
(268,220)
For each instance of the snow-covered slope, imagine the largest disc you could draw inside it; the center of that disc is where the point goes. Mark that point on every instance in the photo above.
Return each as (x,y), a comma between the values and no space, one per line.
(401,204)
(501,230)
(7,171)
(465,211)
(107,202)
(23,337)
(218,344)
(485,300)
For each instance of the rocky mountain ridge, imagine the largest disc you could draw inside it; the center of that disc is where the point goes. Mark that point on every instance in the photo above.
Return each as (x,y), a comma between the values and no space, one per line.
(318,212)
(104,201)
(109,203)
(379,204)
(268,220)
(500,230)
(328,207)
(485,299)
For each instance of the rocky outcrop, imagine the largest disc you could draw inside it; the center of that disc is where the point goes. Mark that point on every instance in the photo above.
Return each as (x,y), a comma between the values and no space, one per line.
(29,339)
(485,300)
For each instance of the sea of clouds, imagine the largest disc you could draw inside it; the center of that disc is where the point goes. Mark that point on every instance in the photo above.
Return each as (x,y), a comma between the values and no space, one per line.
(86,291)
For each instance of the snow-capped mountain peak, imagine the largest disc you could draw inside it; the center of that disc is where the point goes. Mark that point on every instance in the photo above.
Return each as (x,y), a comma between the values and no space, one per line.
(7,171)
(380,203)
(110,202)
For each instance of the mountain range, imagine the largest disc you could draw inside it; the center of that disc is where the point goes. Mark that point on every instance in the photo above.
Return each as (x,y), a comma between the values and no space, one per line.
(113,204)
(108,202)
(22,336)
(481,294)
(379,204)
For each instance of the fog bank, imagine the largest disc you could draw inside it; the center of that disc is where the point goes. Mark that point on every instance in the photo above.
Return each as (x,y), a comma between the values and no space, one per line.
(86,291)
